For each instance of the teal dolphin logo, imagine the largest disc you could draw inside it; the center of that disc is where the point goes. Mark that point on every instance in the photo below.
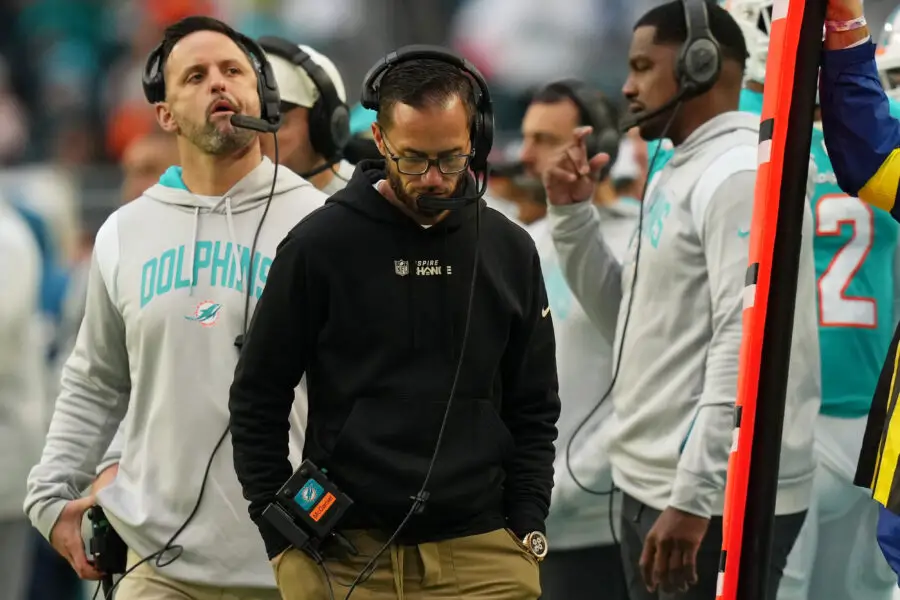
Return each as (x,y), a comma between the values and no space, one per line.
(206,313)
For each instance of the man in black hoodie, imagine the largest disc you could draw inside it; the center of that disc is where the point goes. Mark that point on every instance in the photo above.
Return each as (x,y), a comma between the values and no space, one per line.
(373,298)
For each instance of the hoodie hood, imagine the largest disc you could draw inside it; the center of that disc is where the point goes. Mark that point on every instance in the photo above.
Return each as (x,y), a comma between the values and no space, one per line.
(718,126)
(361,196)
(250,193)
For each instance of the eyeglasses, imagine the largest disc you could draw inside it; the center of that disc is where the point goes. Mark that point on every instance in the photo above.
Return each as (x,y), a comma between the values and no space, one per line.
(419,165)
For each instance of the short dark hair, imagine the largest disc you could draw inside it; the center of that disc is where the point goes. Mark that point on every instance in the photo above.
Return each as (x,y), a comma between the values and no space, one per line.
(671,28)
(556,92)
(176,32)
(424,82)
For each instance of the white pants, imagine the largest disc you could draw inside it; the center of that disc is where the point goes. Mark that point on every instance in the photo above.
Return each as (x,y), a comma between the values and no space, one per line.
(837,556)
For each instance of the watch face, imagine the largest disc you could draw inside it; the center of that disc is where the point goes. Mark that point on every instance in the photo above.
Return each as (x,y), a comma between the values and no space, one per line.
(537,544)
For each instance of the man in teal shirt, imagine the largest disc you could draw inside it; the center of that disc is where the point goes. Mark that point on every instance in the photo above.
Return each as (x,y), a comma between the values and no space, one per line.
(855,248)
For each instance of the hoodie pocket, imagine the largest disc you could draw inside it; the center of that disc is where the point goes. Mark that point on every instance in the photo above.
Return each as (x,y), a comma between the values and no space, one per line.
(386,444)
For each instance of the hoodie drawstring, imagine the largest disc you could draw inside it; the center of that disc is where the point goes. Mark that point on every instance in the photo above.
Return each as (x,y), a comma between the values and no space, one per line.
(193,255)
(237,249)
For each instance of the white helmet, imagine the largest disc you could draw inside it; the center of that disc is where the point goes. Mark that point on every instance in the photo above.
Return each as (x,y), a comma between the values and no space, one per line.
(887,55)
(755,20)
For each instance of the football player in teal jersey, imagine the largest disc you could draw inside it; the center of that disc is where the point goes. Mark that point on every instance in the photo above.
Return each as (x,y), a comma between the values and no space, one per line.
(855,247)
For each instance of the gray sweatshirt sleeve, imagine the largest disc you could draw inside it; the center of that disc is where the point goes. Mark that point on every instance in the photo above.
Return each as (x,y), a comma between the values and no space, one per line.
(114,452)
(589,266)
(723,233)
(95,387)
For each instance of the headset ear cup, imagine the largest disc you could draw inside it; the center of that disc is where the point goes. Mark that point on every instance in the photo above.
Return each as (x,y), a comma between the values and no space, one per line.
(592,144)
(608,142)
(340,128)
(702,63)
(153,80)
(328,134)
(485,139)
(319,136)
(480,143)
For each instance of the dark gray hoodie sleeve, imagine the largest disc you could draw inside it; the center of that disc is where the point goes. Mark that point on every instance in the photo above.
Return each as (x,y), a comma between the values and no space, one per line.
(590,267)
(95,387)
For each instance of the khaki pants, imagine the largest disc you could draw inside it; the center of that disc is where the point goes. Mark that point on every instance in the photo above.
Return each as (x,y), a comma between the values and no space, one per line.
(489,566)
(146,583)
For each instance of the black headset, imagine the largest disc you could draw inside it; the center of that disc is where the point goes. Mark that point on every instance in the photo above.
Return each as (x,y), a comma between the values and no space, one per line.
(482,128)
(697,67)
(700,58)
(329,117)
(270,100)
(596,110)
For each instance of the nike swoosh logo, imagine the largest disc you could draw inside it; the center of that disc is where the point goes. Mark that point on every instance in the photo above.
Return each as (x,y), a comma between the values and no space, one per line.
(742,233)
(545,312)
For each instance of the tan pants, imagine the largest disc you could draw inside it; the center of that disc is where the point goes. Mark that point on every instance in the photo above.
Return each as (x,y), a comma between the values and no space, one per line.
(146,583)
(489,566)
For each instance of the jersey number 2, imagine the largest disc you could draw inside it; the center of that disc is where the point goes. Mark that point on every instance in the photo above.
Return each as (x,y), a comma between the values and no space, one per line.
(836,308)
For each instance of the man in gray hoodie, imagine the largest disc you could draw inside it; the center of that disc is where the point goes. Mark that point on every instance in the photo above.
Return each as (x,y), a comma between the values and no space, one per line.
(585,554)
(175,276)
(677,328)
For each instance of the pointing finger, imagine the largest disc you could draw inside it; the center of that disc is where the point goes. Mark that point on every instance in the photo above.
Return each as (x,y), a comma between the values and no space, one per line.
(598,162)
(559,175)
(578,161)
(582,132)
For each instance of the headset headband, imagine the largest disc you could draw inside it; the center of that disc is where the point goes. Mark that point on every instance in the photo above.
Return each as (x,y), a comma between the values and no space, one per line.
(329,117)
(298,57)
(700,60)
(482,130)
(154,82)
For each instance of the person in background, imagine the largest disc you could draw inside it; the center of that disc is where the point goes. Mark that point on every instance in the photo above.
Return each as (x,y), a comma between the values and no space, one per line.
(629,172)
(586,557)
(21,392)
(315,127)
(144,161)
(175,276)
(677,380)
(514,194)
(863,142)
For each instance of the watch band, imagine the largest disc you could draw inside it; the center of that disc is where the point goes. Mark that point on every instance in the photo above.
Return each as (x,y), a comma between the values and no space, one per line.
(841,26)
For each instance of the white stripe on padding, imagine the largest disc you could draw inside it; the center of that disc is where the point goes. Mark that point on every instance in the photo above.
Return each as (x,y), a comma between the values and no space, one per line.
(764,154)
(749,296)
(734,439)
(779,9)
(720,583)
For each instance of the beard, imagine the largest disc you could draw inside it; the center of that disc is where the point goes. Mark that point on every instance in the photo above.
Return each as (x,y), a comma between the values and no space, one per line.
(211,139)
(411,201)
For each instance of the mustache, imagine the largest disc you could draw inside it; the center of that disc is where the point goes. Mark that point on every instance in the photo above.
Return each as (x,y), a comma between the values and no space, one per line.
(223,102)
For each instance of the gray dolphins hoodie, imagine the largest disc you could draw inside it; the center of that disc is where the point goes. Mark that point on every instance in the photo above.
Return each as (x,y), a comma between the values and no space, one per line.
(170,275)
(675,391)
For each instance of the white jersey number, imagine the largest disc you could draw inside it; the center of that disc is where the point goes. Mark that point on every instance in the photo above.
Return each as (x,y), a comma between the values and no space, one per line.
(836,308)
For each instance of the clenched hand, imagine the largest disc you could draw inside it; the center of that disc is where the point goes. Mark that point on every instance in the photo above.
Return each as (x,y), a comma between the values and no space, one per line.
(66,537)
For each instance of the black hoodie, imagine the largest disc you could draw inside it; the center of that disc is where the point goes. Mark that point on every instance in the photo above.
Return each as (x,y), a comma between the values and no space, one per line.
(371,306)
